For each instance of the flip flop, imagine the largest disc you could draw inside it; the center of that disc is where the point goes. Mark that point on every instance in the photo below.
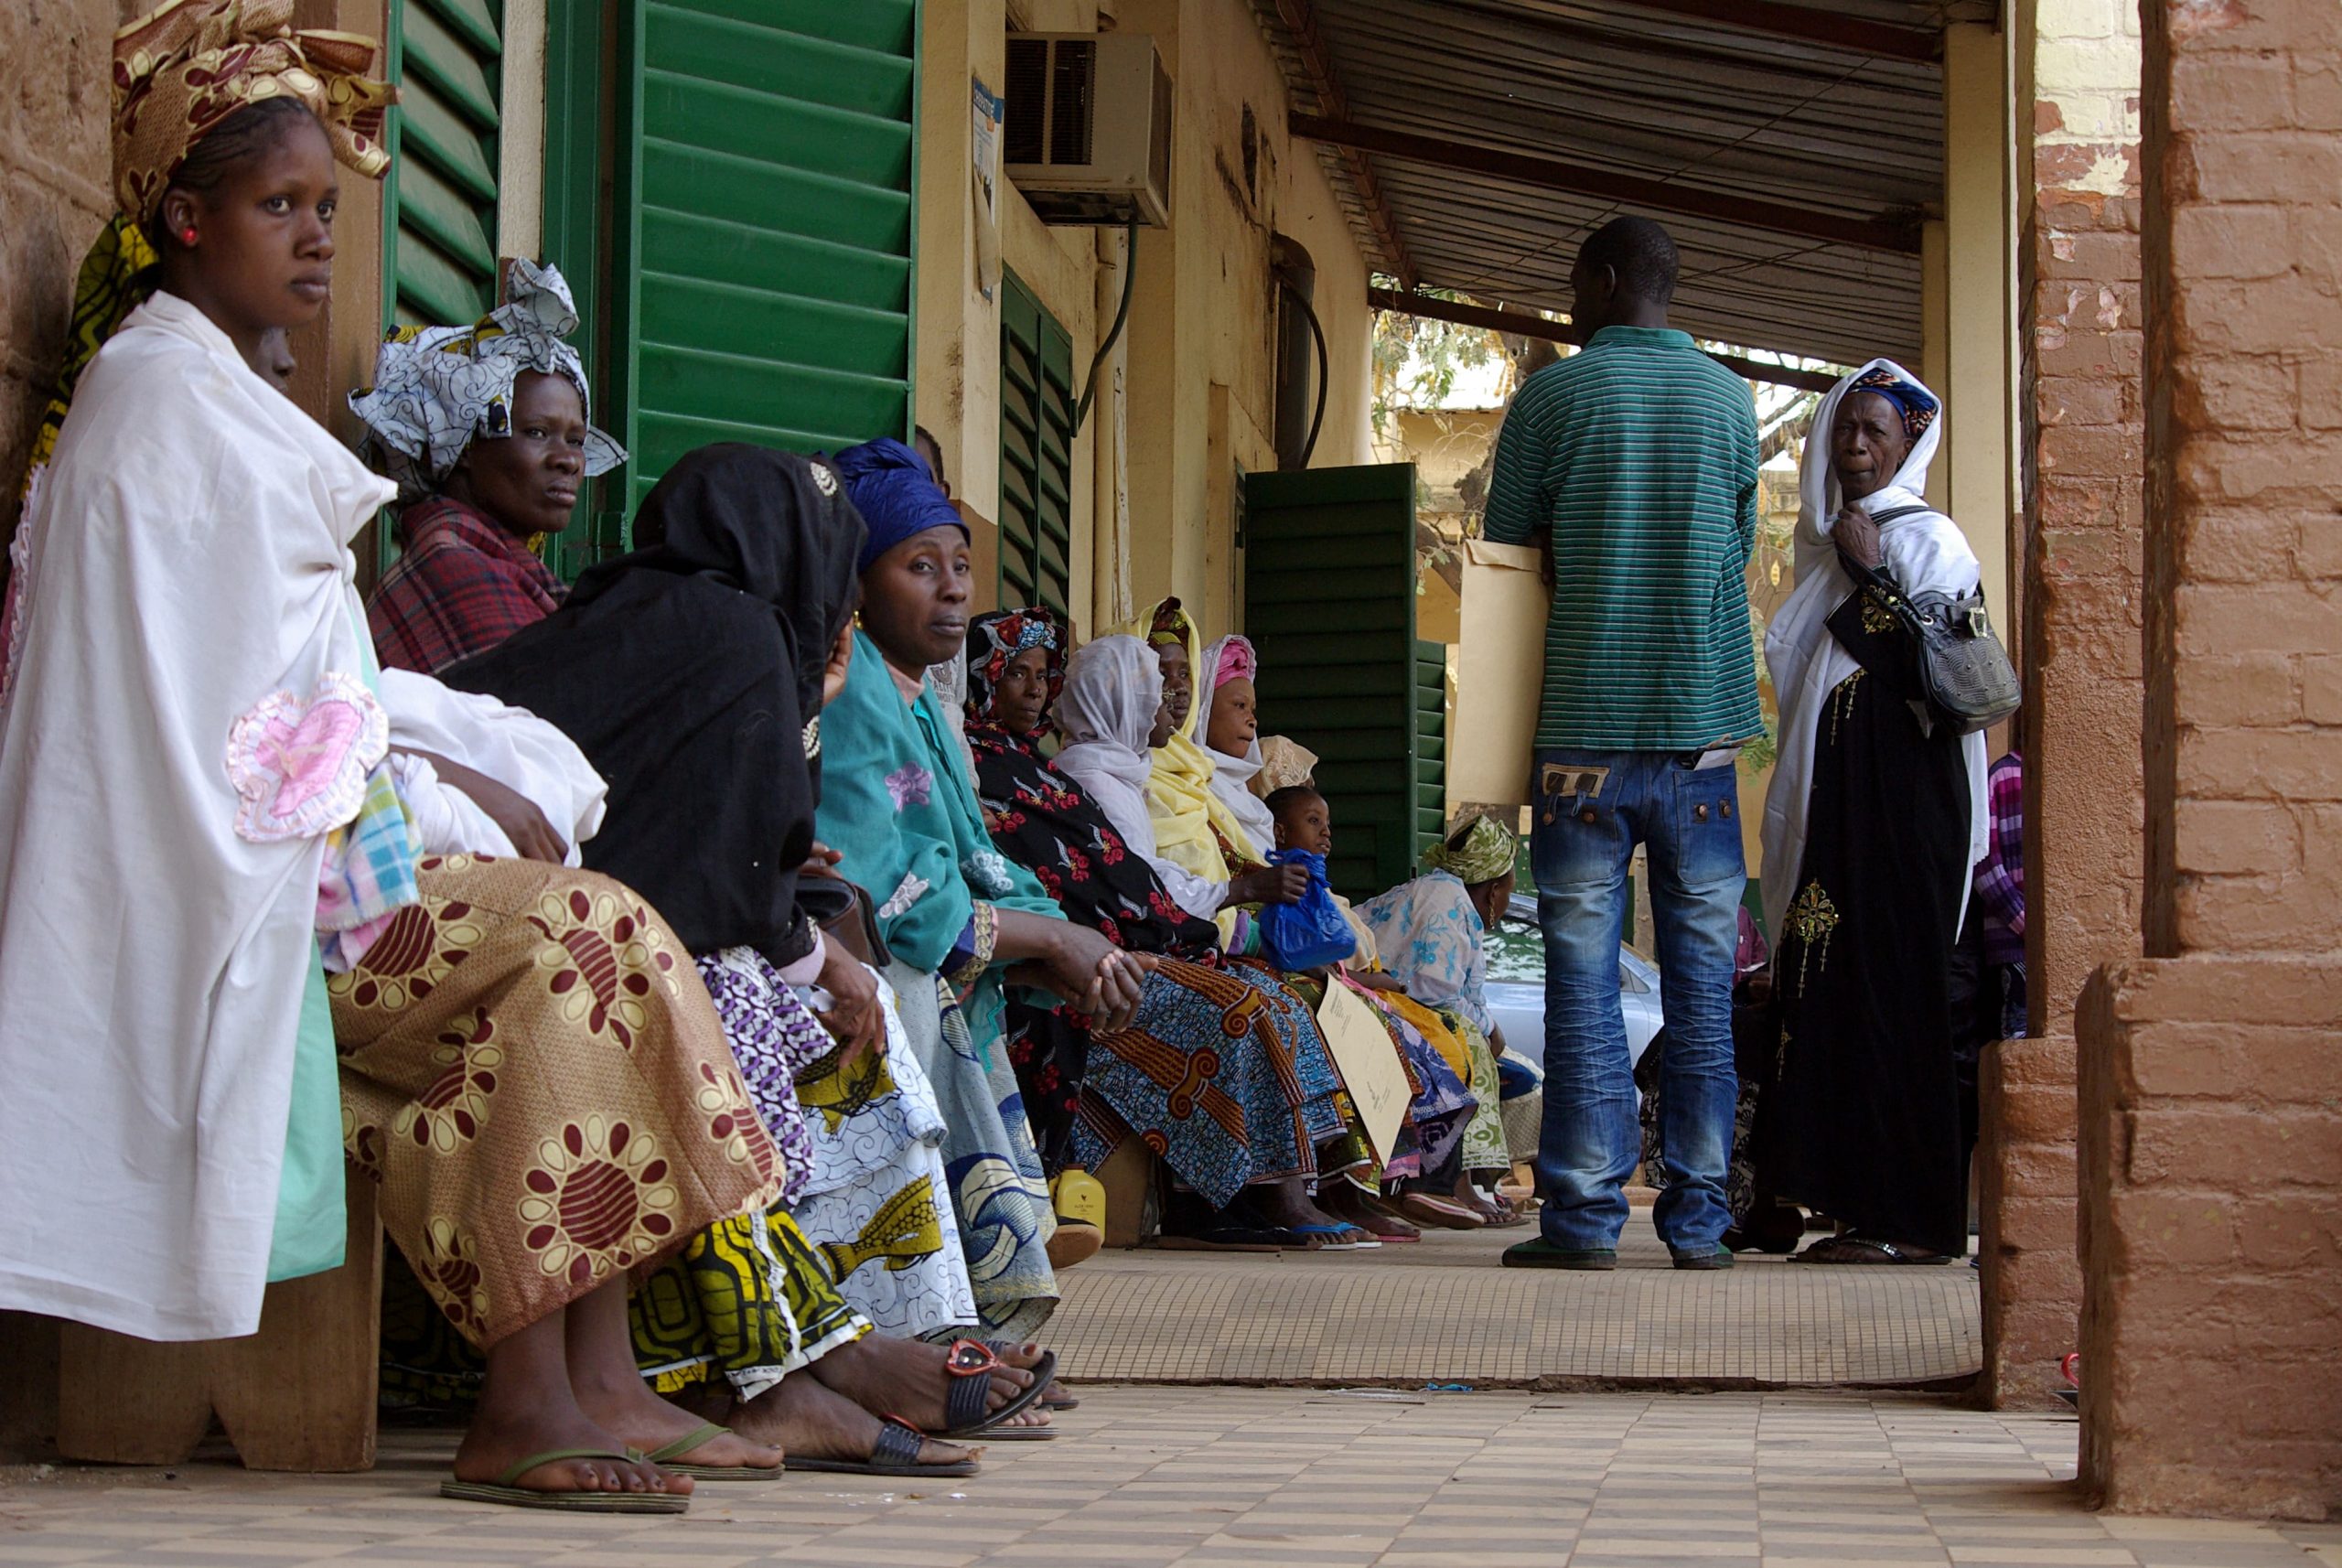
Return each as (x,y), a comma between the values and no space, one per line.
(502,1491)
(971,1366)
(1227,1239)
(1329,1237)
(664,1457)
(896,1453)
(1440,1213)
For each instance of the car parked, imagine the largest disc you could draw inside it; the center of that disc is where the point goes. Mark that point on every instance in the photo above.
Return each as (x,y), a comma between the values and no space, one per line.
(1516,986)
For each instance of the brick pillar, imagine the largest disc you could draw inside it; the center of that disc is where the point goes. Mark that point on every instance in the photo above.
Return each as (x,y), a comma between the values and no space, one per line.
(2083,428)
(2211,1069)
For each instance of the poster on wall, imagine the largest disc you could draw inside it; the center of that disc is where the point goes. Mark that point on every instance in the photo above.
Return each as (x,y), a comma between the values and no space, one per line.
(985,165)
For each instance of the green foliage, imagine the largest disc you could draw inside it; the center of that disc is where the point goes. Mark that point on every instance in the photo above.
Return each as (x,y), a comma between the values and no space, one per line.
(1416,360)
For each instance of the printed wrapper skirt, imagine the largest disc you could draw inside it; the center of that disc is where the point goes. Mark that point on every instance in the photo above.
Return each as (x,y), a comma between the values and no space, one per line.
(1221,1073)
(534,1075)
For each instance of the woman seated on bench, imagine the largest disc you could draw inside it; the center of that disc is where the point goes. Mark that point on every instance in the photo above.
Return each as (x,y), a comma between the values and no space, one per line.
(196,796)
(1226,1072)
(486,429)
(693,672)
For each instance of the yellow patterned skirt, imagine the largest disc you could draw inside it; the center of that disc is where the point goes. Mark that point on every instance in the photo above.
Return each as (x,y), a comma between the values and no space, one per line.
(531,1069)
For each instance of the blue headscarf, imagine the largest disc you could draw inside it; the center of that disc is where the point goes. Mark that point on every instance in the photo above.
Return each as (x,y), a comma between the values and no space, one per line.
(1914,403)
(898,497)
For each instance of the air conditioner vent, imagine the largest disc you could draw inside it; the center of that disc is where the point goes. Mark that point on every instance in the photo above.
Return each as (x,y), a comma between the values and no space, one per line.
(1088,133)
(1073,79)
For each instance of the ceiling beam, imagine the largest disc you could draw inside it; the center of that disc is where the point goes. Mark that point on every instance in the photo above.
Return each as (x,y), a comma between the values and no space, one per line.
(1318,66)
(1833,29)
(1883,234)
(1521,324)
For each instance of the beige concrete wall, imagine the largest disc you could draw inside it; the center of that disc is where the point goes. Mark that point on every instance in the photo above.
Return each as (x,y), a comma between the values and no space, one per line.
(1199,341)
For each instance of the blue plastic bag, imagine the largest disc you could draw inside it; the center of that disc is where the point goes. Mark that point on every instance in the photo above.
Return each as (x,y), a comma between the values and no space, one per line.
(1312,933)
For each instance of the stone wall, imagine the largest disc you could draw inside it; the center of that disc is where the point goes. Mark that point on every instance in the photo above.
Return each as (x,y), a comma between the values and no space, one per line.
(55,195)
(2212,1070)
(2083,426)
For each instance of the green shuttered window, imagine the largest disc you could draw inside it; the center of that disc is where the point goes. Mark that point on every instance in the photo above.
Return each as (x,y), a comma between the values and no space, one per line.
(448,58)
(767,224)
(1035,453)
(1329,591)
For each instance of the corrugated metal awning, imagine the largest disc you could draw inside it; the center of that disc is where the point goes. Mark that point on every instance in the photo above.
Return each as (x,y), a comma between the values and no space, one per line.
(1792,149)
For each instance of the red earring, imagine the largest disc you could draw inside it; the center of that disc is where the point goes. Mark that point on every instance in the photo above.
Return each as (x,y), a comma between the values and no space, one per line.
(187,235)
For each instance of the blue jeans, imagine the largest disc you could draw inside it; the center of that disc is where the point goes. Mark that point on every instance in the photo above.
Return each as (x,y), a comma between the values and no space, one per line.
(1687,819)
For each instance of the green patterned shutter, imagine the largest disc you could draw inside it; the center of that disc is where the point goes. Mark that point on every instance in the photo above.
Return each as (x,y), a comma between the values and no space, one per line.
(1035,453)
(1430,743)
(440,229)
(1329,602)
(763,278)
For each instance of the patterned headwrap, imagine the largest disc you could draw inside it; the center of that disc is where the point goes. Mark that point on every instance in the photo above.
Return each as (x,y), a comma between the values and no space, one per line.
(1479,852)
(116,276)
(1237,662)
(997,637)
(1284,762)
(185,67)
(892,487)
(438,389)
(1171,627)
(1917,404)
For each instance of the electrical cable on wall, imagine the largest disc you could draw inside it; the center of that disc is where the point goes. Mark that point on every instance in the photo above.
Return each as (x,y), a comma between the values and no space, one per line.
(1121,313)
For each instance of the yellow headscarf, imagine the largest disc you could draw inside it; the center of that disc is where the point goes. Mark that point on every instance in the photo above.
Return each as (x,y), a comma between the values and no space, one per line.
(1178,790)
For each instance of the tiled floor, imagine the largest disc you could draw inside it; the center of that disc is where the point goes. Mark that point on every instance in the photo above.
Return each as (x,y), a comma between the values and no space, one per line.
(1444,1310)
(1233,1477)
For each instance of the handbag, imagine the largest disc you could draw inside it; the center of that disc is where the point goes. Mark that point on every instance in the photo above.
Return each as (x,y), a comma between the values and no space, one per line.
(1965,673)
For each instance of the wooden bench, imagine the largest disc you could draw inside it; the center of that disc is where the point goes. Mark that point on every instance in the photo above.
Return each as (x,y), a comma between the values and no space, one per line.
(297,1395)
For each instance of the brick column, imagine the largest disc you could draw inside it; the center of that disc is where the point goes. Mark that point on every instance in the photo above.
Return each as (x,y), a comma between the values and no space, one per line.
(2083,428)
(2211,1069)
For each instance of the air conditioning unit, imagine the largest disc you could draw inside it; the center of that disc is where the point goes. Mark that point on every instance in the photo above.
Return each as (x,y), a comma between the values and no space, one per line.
(1087,135)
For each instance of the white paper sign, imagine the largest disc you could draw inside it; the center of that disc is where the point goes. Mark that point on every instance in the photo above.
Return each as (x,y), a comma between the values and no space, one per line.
(1369,1063)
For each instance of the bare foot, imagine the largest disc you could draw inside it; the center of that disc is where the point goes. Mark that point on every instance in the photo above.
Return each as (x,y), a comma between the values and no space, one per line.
(494,1443)
(809,1419)
(629,1407)
(905,1378)
(1352,1206)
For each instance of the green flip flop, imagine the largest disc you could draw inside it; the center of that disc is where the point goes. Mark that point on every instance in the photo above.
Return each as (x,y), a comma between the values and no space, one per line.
(664,1457)
(502,1491)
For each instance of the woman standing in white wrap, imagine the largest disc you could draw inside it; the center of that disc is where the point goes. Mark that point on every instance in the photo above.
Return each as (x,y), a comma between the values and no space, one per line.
(200,818)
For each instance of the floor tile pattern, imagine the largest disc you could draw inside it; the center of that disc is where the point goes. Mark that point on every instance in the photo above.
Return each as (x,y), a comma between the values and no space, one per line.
(1236,1477)
(1443,1310)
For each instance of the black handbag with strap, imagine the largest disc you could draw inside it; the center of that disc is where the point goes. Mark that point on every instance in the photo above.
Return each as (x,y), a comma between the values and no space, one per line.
(1964,671)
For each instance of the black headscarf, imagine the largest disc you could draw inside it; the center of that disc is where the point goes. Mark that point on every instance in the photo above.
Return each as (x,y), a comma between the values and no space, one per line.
(690,674)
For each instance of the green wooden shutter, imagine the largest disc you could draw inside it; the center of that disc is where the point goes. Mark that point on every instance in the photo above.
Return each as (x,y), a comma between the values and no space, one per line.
(765,226)
(1035,453)
(448,58)
(1430,743)
(1329,591)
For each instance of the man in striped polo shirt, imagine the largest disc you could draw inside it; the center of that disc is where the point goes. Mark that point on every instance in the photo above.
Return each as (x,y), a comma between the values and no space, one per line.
(1633,464)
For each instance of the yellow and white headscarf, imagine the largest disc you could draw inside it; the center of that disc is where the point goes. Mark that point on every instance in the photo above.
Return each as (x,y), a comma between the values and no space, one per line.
(1178,792)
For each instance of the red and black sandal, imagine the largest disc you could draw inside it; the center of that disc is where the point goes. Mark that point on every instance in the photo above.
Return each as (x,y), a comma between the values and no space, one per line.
(971,1365)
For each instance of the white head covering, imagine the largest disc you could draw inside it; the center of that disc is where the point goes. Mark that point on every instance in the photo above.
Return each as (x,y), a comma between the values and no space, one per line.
(1923,552)
(1112,688)
(1232,777)
(438,389)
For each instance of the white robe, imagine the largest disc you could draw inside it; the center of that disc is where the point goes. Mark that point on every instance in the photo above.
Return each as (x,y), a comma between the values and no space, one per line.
(189,558)
(1924,552)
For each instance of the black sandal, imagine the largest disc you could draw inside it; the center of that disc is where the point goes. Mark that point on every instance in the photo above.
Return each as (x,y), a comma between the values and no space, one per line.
(1850,1249)
(896,1453)
(971,1366)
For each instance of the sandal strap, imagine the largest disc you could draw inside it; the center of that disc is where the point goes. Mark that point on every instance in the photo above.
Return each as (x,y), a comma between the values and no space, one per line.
(554,1456)
(973,1357)
(967,1400)
(899,1443)
(706,1433)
